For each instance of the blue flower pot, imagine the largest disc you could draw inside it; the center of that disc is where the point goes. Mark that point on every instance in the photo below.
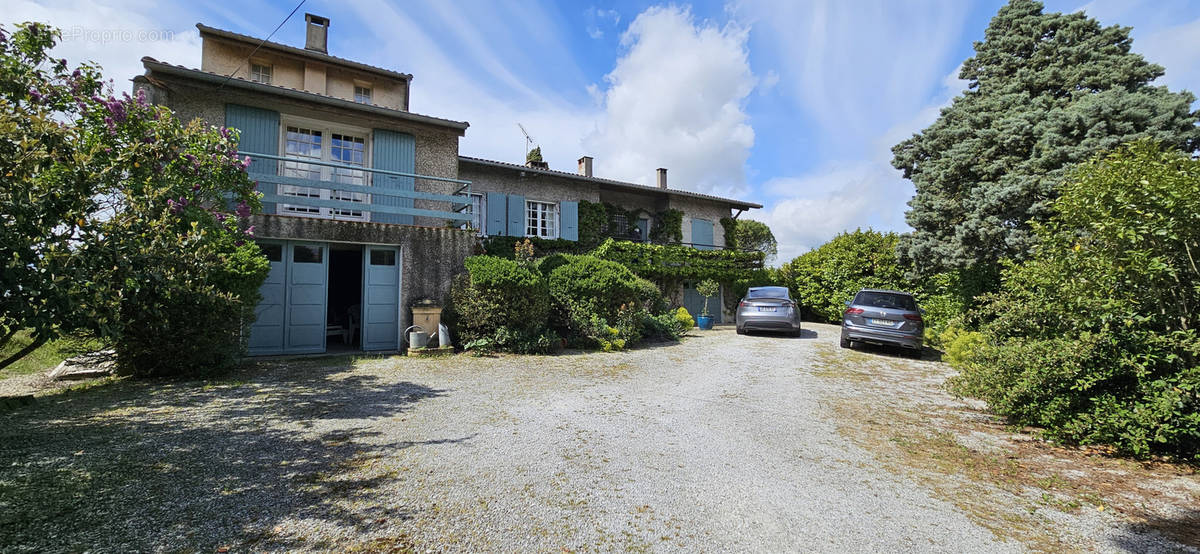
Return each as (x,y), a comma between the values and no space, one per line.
(704,322)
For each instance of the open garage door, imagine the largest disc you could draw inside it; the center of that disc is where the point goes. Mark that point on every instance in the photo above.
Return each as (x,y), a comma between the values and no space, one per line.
(381,298)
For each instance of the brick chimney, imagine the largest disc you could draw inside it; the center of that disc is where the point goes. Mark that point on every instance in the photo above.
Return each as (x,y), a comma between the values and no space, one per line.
(585,166)
(317,33)
(662,178)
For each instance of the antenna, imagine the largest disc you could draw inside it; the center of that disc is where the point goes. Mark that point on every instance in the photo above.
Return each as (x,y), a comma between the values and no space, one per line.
(528,139)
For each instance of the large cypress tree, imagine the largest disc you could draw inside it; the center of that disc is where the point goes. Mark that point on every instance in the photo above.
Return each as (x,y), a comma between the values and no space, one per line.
(1046,90)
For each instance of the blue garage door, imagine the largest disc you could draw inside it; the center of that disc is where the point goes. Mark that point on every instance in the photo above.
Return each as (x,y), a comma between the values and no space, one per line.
(266,334)
(307,268)
(694,302)
(381,298)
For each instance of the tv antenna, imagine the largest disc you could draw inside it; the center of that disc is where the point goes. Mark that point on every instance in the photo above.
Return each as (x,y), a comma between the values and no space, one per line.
(528,139)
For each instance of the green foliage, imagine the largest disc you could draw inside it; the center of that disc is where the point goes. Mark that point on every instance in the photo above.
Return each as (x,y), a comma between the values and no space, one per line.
(961,345)
(1045,91)
(669,263)
(502,301)
(755,235)
(111,212)
(505,247)
(534,155)
(45,357)
(825,278)
(667,227)
(593,218)
(729,228)
(683,320)
(1094,339)
(707,288)
(591,286)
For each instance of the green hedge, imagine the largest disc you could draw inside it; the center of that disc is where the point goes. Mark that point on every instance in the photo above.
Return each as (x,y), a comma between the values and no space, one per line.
(499,298)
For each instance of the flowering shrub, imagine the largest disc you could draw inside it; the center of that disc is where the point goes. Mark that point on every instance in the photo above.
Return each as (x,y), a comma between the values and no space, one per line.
(117,215)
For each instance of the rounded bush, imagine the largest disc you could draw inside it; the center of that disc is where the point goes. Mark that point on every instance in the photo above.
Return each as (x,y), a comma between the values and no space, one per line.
(592,286)
(497,293)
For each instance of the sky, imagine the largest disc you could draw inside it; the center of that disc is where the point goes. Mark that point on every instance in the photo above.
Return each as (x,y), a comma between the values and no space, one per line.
(793,104)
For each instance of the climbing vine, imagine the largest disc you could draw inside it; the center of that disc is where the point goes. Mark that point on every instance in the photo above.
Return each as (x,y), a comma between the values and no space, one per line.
(667,226)
(730,226)
(670,262)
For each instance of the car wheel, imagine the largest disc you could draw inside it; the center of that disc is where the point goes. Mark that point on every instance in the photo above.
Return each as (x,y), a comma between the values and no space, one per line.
(798,332)
(741,331)
(845,342)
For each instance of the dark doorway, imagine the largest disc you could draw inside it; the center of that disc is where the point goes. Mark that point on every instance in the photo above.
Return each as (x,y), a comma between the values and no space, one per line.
(344,316)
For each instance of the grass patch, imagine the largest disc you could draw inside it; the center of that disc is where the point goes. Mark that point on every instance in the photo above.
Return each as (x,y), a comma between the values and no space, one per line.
(46,357)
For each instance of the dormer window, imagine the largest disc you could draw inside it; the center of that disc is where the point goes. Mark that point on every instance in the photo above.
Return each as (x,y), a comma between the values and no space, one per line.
(261,73)
(362,94)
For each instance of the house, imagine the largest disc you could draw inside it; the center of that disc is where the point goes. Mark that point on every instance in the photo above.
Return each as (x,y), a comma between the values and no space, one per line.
(368,206)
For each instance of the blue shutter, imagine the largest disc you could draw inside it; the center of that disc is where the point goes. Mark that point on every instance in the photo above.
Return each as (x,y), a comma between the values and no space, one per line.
(702,234)
(516,215)
(394,152)
(569,216)
(258,132)
(497,215)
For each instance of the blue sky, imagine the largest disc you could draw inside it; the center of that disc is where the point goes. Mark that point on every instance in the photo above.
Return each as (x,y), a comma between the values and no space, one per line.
(793,104)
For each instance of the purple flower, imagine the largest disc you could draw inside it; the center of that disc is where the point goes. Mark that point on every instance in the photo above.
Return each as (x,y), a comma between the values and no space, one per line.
(37,96)
(243,210)
(141,97)
(249,231)
(76,74)
(224,132)
(220,217)
(196,187)
(174,206)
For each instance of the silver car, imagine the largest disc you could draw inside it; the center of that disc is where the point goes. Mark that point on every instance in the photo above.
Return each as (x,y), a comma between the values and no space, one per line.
(884,317)
(768,309)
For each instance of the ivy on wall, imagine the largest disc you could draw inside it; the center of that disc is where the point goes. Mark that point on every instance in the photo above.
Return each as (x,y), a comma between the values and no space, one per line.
(667,226)
(729,224)
(667,263)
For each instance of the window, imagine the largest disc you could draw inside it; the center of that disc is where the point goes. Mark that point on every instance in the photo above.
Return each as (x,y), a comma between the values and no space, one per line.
(383,257)
(304,143)
(273,251)
(541,220)
(362,95)
(477,211)
(260,73)
(306,254)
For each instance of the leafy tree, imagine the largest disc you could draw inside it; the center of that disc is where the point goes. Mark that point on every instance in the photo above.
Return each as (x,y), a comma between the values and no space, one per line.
(1045,91)
(825,278)
(755,235)
(113,216)
(1095,338)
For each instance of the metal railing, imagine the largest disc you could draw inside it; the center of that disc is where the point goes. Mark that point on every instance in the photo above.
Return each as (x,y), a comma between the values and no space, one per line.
(459,201)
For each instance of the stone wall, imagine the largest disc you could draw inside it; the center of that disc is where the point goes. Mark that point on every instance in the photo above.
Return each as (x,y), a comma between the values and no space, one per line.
(699,208)
(534,186)
(431,256)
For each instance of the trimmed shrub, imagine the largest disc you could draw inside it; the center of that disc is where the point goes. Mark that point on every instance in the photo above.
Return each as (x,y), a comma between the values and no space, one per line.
(598,287)
(497,294)
(683,320)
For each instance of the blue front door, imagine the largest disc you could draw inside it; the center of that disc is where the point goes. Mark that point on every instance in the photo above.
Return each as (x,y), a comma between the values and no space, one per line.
(694,302)
(266,333)
(305,314)
(381,298)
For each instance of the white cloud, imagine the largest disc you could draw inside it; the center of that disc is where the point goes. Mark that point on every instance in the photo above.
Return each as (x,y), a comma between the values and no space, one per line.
(676,99)
(114,35)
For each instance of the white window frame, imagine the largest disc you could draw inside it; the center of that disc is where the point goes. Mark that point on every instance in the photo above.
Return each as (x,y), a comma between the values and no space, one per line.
(257,74)
(541,218)
(367,98)
(328,175)
(480,219)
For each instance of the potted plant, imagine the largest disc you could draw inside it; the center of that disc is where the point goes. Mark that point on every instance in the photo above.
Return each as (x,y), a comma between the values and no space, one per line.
(708,289)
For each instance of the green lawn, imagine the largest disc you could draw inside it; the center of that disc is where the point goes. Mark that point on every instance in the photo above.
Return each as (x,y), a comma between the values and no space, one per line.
(45,357)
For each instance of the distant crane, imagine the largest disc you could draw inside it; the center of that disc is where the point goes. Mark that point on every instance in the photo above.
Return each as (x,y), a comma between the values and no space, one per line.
(528,139)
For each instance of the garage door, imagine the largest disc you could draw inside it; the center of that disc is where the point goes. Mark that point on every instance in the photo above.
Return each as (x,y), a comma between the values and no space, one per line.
(694,302)
(381,298)
(305,301)
(266,333)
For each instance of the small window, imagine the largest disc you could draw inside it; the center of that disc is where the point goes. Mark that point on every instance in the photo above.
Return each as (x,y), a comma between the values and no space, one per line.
(541,220)
(362,95)
(307,254)
(273,252)
(260,73)
(383,257)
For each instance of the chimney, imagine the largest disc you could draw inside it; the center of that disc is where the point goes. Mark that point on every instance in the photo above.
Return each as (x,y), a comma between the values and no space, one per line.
(585,166)
(662,178)
(317,34)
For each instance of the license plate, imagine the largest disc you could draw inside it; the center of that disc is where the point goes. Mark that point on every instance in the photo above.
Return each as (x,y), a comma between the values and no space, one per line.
(766,309)
(881,322)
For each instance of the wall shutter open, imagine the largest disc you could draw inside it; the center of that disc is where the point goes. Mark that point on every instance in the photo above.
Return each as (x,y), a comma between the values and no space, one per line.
(395,152)
(569,215)
(702,234)
(258,132)
(516,215)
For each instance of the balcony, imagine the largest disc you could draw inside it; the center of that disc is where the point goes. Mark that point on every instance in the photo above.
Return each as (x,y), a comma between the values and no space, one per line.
(330,190)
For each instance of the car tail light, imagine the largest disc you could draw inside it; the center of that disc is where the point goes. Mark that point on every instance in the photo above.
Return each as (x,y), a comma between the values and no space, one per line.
(743,304)
(788,304)
(853,311)
(914,317)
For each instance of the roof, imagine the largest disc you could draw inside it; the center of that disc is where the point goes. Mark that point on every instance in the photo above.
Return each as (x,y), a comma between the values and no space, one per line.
(622,185)
(216,78)
(302,52)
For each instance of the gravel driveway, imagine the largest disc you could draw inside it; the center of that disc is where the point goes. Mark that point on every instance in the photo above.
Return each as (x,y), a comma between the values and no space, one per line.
(720,443)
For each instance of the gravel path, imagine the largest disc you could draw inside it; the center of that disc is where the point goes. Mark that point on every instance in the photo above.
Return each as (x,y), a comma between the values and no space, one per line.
(721,443)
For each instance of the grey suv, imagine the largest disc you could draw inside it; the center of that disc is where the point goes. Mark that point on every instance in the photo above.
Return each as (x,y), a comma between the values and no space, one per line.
(884,317)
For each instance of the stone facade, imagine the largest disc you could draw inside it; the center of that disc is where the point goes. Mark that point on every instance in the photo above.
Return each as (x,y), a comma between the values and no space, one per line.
(431,256)
(698,208)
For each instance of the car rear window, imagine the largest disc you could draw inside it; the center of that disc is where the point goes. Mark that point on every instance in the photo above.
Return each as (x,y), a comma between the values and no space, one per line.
(768,292)
(886,300)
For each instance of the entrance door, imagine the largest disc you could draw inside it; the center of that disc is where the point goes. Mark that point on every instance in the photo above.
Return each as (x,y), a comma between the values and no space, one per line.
(694,302)
(381,298)
(305,314)
(266,334)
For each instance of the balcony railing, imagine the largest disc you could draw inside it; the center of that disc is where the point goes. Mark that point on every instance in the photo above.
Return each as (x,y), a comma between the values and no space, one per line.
(332,195)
